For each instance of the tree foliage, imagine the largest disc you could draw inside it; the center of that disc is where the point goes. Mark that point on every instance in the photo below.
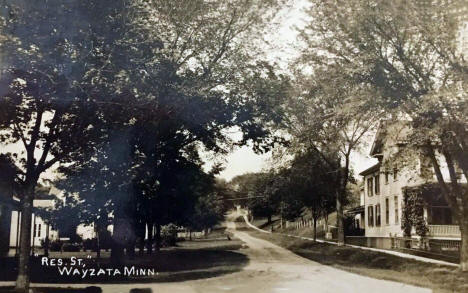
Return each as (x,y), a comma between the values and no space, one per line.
(416,71)
(127,91)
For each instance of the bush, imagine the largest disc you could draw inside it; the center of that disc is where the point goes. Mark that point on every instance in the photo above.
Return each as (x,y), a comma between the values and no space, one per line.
(169,235)
(75,238)
(105,242)
(90,244)
(71,247)
(55,245)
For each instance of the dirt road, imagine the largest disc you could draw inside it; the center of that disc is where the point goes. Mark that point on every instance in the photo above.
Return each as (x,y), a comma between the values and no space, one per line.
(274,269)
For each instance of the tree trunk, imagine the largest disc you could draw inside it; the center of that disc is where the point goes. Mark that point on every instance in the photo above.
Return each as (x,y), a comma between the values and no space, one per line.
(118,240)
(158,237)
(130,249)
(140,236)
(326,222)
(131,239)
(315,229)
(464,244)
(452,196)
(269,219)
(98,244)
(339,220)
(46,241)
(141,245)
(149,243)
(22,281)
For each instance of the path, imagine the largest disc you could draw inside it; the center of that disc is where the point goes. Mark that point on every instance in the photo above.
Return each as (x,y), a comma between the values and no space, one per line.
(275,269)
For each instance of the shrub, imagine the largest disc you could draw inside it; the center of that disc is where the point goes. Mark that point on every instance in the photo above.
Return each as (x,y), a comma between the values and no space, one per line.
(71,247)
(55,245)
(90,244)
(105,240)
(169,235)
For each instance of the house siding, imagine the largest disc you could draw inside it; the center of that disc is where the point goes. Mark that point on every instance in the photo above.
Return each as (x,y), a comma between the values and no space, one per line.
(412,172)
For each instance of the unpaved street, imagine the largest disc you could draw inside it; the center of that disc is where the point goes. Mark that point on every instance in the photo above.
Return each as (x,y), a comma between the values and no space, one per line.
(275,269)
(272,269)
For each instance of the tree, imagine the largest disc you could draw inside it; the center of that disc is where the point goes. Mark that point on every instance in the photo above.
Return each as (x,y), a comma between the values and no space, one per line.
(291,204)
(263,197)
(418,71)
(208,212)
(329,113)
(43,109)
(120,58)
(314,183)
(241,185)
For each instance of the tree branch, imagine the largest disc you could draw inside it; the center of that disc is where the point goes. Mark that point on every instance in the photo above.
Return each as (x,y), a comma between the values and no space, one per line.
(49,138)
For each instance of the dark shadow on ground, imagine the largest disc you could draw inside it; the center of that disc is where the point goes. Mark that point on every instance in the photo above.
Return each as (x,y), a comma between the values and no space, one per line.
(91,289)
(192,260)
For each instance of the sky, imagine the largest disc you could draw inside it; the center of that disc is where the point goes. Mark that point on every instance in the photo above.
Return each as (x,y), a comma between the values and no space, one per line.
(244,160)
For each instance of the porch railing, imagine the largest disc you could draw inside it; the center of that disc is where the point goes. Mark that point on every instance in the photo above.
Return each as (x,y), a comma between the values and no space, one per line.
(444,231)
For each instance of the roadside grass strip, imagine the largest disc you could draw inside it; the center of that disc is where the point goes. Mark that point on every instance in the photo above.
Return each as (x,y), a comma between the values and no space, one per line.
(395,253)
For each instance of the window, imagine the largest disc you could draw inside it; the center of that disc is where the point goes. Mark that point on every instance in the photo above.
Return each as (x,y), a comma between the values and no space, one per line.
(395,174)
(370,188)
(386,177)
(387,212)
(377,184)
(377,215)
(370,216)
(396,210)
(37,230)
(440,215)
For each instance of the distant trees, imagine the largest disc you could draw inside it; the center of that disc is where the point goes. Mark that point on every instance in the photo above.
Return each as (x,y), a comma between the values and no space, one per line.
(306,182)
(263,196)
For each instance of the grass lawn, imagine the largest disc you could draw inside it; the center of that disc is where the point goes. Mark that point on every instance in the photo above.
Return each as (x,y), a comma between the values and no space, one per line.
(375,264)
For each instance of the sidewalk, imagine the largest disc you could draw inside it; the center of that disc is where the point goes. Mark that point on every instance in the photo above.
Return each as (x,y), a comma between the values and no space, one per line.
(396,253)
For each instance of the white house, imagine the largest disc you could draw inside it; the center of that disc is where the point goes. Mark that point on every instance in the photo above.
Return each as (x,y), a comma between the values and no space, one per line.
(40,228)
(386,182)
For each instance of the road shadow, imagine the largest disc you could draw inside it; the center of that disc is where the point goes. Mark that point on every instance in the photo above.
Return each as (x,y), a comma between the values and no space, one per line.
(189,261)
(174,265)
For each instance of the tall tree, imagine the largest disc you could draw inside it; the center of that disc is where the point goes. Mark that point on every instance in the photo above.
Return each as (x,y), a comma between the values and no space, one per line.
(42,108)
(418,71)
(314,182)
(329,113)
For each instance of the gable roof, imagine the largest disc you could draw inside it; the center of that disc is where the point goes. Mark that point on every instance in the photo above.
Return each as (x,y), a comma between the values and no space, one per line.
(371,169)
